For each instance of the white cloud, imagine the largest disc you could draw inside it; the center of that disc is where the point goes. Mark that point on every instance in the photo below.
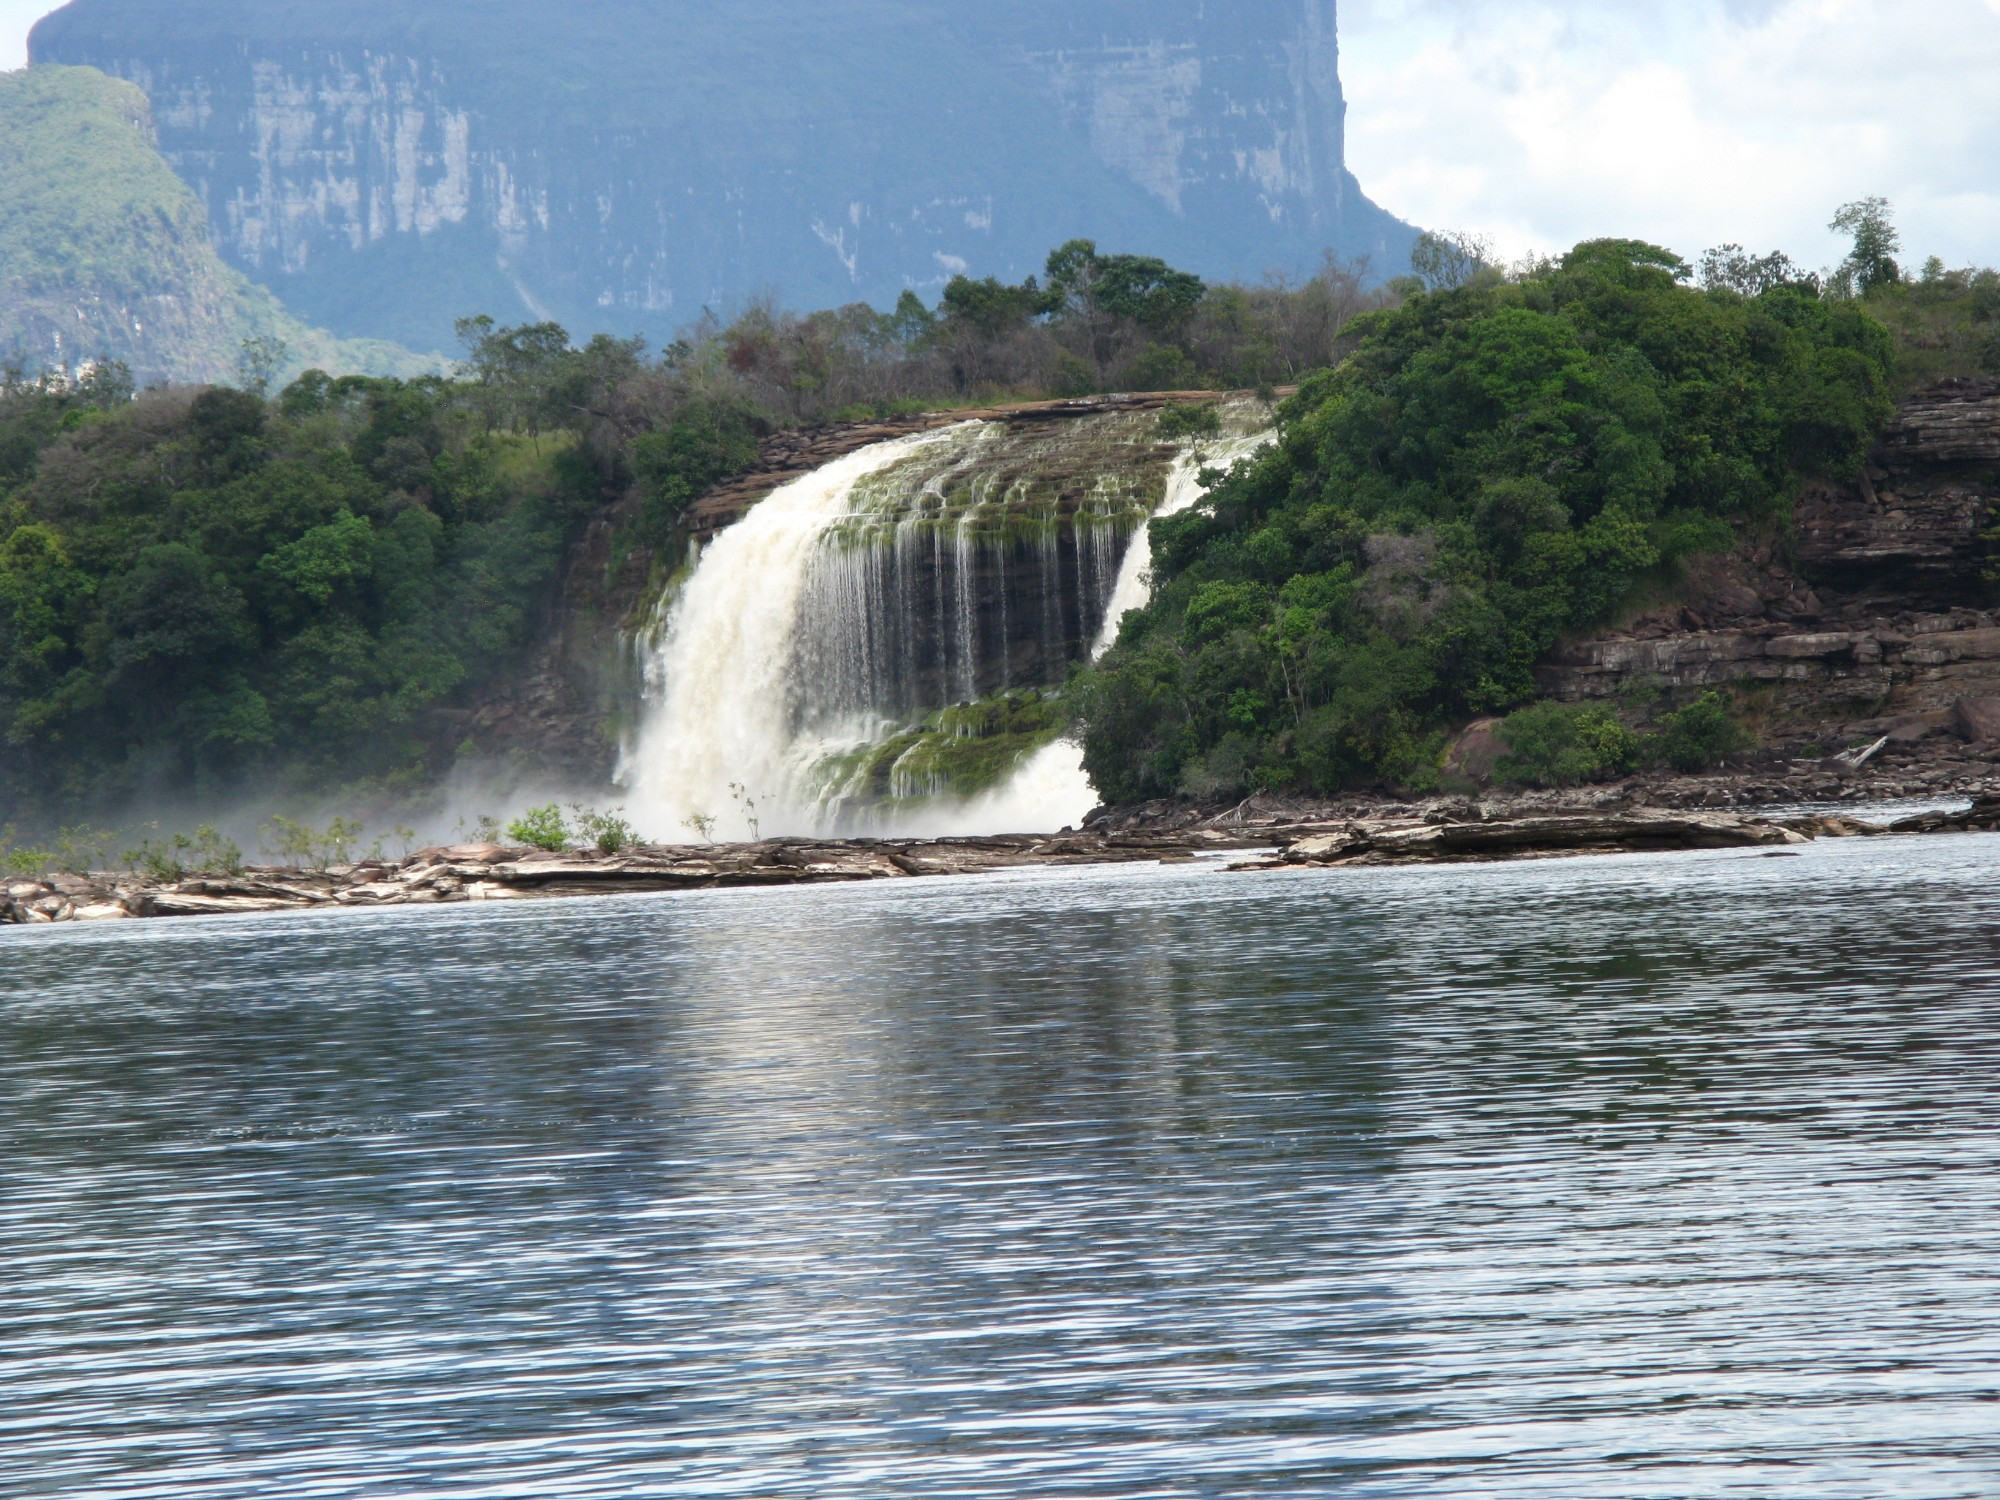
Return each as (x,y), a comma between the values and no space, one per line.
(1690,124)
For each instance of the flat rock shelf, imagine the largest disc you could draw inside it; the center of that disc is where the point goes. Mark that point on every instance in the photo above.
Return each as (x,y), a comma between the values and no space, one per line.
(1438,833)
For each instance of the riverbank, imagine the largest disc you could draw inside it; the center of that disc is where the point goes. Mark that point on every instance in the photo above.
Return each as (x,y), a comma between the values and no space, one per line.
(1441,832)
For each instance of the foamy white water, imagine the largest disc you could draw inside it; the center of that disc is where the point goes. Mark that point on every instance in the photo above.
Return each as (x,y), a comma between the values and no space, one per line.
(722,718)
(723,733)
(1184,490)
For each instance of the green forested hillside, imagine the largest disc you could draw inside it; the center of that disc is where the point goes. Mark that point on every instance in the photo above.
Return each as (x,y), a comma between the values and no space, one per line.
(197,585)
(1497,465)
(204,585)
(105,254)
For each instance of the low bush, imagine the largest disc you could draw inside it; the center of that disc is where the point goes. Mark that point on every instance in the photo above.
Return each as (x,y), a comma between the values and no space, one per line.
(606,832)
(306,847)
(1701,736)
(204,852)
(1560,744)
(541,828)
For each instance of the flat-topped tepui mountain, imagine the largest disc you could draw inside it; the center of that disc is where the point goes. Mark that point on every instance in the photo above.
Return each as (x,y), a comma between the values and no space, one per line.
(622,164)
(105,253)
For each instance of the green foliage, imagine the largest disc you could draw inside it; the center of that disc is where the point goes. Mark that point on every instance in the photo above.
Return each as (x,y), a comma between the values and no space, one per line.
(606,832)
(1556,744)
(204,585)
(541,828)
(76,851)
(203,852)
(1496,466)
(1945,322)
(704,443)
(1701,736)
(1871,262)
(1184,420)
(307,847)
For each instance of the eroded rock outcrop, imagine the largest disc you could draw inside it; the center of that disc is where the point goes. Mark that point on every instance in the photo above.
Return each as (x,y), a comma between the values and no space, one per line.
(1880,615)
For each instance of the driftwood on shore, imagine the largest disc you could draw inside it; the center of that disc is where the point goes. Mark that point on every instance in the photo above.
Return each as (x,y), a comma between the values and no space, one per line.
(1436,834)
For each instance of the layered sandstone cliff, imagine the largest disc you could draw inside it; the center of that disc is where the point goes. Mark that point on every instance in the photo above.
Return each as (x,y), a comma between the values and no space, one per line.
(622,165)
(1879,615)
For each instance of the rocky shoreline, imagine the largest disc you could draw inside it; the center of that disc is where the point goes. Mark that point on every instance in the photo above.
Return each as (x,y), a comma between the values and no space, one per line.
(1271,838)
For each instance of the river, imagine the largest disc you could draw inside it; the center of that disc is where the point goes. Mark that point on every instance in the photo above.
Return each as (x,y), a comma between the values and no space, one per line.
(1665,1176)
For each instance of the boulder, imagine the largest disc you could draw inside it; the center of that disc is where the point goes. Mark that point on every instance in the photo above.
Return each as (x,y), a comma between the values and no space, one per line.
(1912,728)
(1476,751)
(1979,719)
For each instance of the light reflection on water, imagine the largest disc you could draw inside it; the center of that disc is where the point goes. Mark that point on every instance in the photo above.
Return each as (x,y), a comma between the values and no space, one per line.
(1638,1177)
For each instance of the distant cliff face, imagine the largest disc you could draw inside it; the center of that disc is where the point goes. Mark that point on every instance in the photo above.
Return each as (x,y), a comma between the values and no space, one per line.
(104,253)
(622,164)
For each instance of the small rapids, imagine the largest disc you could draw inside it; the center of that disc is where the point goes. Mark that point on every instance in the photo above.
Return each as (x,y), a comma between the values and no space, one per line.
(823,646)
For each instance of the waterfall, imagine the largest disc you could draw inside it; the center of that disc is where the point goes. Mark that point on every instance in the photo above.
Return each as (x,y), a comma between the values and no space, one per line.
(809,668)
(1184,489)
(719,732)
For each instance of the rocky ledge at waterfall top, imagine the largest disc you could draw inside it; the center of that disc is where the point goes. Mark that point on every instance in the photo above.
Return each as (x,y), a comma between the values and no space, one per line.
(1437,833)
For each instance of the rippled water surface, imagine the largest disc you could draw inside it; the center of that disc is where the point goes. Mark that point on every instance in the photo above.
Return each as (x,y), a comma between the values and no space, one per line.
(1668,1176)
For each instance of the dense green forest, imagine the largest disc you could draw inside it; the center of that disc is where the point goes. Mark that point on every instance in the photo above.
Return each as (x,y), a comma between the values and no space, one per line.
(206,586)
(1500,463)
(203,588)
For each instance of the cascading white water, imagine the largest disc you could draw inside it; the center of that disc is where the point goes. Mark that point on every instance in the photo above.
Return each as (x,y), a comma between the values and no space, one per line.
(720,734)
(837,611)
(1051,789)
(1184,490)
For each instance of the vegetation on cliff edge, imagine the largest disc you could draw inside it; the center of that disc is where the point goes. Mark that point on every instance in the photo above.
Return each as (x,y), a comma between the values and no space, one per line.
(1498,464)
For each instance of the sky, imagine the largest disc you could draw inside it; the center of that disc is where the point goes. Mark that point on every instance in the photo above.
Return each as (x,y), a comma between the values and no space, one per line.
(1691,123)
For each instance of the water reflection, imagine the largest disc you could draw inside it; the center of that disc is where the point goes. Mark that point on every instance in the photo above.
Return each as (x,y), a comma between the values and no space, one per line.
(1632,1177)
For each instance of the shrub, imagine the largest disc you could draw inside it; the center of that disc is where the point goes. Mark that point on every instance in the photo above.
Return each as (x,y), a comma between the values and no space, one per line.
(205,852)
(1559,744)
(308,847)
(1180,420)
(1701,736)
(541,828)
(606,832)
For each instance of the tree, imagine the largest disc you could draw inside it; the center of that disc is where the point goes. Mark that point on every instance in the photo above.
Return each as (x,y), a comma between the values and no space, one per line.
(1731,268)
(1870,223)
(519,372)
(1445,261)
(258,365)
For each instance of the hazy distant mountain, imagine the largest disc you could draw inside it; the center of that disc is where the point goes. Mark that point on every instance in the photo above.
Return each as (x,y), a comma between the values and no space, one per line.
(104,253)
(618,164)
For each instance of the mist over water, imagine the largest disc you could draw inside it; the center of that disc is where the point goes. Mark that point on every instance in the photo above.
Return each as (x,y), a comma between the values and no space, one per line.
(1598,1180)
